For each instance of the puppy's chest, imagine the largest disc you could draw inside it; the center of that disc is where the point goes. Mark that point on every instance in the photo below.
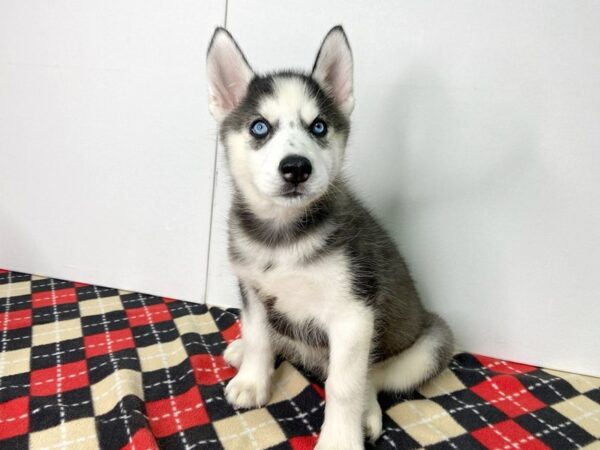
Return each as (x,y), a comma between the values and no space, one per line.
(299,289)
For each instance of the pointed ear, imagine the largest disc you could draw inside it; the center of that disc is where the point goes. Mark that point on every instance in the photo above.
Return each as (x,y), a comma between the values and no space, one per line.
(228,74)
(333,69)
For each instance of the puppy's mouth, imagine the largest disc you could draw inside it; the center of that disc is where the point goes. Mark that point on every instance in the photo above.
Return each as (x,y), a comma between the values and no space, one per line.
(293,191)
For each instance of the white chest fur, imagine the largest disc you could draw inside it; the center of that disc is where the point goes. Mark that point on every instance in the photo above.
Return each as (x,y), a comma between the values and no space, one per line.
(305,290)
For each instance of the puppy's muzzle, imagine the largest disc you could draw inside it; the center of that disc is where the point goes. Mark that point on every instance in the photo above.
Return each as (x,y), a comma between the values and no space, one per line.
(295,169)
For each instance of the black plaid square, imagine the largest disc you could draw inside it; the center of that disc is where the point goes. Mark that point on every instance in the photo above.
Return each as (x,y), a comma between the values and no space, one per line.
(19,338)
(49,284)
(549,388)
(48,355)
(216,404)
(14,386)
(88,292)
(117,426)
(554,429)
(49,314)
(13,277)
(51,410)
(301,415)
(469,410)
(167,382)
(147,335)
(101,323)
(102,366)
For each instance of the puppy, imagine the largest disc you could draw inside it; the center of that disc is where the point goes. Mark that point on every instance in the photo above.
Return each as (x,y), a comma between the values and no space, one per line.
(322,283)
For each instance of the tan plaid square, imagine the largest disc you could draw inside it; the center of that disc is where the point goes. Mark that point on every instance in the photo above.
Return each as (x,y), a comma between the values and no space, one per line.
(203,324)
(443,384)
(75,435)
(582,411)
(425,421)
(49,333)
(287,383)
(581,383)
(251,429)
(15,289)
(112,389)
(161,356)
(17,361)
(100,305)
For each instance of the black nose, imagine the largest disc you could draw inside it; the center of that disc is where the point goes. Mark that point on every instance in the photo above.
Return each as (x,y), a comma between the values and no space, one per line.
(295,169)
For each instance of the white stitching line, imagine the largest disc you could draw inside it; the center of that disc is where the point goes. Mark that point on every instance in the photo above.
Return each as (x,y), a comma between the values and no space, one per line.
(3,353)
(17,277)
(545,431)
(59,393)
(573,376)
(431,425)
(220,380)
(116,371)
(300,415)
(481,416)
(535,416)
(569,401)
(42,408)
(531,413)
(76,374)
(449,412)
(95,324)
(172,403)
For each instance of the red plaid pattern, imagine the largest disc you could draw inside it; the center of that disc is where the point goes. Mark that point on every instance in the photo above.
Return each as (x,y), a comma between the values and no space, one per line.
(84,366)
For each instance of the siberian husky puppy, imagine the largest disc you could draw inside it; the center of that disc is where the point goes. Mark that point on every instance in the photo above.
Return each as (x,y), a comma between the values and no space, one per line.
(321,282)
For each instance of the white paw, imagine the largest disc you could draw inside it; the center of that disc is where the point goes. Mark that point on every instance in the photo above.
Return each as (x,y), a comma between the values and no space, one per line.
(247,391)
(339,441)
(234,353)
(372,421)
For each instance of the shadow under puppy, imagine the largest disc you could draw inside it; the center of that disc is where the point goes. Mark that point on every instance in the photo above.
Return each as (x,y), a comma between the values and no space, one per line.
(321,281)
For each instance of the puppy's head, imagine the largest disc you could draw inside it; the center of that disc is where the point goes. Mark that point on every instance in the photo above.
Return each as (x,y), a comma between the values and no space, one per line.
(284,133)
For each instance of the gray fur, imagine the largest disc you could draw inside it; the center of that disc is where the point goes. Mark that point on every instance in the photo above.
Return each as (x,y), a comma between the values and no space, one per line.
(380,278)
(380,275)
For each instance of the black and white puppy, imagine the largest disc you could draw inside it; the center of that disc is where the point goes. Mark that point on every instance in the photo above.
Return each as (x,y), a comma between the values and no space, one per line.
(321,282)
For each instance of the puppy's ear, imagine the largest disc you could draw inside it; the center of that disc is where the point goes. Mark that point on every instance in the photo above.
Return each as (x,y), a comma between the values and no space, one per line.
(333,69)
(228,74)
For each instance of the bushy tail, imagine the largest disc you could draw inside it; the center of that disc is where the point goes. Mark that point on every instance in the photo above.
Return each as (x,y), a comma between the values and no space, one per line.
(427,357)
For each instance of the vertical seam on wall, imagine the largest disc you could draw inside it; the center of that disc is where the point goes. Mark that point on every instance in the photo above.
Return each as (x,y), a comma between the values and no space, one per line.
(214,191)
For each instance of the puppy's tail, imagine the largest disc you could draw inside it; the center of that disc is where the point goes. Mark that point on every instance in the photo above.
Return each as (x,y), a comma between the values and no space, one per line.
(428,356)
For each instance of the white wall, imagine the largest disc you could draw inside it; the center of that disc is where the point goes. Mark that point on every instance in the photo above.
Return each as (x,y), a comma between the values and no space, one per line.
(106,145)
(476,141)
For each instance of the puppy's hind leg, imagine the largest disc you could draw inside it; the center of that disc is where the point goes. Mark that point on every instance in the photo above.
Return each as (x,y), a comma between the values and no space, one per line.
(428,356)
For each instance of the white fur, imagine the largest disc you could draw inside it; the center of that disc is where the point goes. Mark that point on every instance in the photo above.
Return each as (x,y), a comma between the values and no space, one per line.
(228,75)
(333,69)
(416,364)
(234,352)
(250,387)
(318,292)
(257,172)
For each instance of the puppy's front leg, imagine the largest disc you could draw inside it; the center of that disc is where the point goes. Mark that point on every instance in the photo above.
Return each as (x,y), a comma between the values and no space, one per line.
(350,335)
(250,387)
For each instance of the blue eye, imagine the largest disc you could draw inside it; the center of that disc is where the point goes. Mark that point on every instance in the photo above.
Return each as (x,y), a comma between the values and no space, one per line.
(259,128)
(318,128)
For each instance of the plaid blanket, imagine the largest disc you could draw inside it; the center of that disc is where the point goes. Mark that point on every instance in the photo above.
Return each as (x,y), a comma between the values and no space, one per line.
(86,366)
